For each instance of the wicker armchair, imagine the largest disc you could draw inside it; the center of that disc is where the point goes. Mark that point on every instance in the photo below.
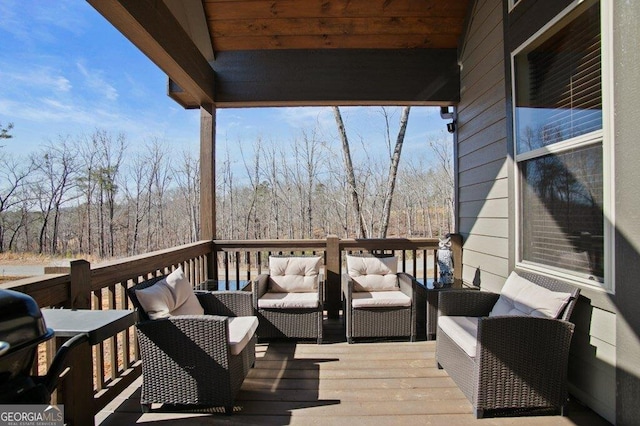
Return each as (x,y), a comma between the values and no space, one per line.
(289,300)
(192,359)
(386,306)
(520,362)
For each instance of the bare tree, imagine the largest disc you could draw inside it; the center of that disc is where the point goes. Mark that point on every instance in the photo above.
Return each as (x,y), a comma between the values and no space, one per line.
(188,179)
(13,175)
(56,167)
(442,148)
(110,155)
(351,178)
(393,167)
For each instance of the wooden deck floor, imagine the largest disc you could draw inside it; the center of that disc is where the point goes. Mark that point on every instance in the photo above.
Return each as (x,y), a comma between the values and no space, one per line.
(380,383)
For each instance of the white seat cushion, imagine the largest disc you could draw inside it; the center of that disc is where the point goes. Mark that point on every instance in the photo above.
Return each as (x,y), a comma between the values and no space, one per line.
(241,330)
(520,296)
(272,300)
(379,299)
(462,330)
(373,273)
(294,274)
(172,295)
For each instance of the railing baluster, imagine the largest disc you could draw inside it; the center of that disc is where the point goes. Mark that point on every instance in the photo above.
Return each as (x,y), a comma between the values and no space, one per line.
(98,350)
(414,263)
(247,260)
(435,266)
(113,347)
(226,270)
(237,270)
(425,271)
(259,261)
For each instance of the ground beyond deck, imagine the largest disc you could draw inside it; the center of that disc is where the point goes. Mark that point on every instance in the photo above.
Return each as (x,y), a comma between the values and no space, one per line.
(380,383)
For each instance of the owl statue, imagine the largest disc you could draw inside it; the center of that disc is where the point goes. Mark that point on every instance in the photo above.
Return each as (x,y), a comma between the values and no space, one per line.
(445,261)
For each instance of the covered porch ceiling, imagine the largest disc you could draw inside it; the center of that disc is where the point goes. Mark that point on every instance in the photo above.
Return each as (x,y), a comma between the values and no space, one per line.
(232,53)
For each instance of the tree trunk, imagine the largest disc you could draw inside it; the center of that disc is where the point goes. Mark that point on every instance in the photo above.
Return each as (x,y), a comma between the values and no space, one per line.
(393,172)
(351,178)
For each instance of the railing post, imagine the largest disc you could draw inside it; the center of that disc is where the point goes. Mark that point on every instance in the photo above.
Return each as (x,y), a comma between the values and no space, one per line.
(77,386)
(456,247)
(333,277)
(80,297)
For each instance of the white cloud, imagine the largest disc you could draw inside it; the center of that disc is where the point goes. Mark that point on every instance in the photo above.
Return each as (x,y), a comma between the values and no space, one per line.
(40,77)
(95,81)
(306,117)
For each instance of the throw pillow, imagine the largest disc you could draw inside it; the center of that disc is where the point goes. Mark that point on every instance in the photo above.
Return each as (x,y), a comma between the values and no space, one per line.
(172,295)
(294,274)
(373,273)
(520,296)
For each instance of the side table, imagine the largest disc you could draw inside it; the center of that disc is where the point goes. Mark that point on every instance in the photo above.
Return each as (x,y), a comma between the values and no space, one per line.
(77,390)
(432,305)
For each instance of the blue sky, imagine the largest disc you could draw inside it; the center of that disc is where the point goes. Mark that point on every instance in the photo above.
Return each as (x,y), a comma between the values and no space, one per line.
(65,71)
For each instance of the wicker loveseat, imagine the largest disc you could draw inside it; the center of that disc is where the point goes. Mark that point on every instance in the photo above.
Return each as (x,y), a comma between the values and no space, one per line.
(508,350)
(199,359)
(289,300)
(378,301)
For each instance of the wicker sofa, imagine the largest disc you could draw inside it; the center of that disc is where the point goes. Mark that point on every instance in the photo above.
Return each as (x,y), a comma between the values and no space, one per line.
(196,359)
(503,359)
(378,301)
(289,300)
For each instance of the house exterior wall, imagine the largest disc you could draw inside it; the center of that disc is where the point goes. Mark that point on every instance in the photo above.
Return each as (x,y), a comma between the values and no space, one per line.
(626,60)
(604,364)
(482,161)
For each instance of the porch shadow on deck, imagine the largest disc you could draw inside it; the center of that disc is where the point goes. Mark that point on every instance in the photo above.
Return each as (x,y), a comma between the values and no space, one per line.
(335,384)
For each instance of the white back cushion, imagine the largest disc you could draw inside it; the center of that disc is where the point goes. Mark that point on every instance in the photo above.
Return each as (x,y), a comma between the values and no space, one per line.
(373,273)
(294,274)
(172,295)
(520,296)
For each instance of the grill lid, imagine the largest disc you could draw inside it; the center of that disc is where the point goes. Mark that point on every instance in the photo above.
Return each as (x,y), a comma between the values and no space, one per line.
(21,322)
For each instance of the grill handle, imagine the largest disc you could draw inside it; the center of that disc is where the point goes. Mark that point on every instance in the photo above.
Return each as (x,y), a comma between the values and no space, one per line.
(57,365)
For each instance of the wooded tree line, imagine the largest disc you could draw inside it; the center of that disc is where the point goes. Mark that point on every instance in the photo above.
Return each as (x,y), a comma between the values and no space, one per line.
(103,195)
(312,186)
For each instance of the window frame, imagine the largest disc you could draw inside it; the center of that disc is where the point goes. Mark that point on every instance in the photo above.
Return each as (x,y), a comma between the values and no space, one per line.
(603,136)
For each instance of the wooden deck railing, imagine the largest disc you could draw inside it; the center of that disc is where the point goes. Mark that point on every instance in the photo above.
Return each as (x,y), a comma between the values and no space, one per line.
(218,264)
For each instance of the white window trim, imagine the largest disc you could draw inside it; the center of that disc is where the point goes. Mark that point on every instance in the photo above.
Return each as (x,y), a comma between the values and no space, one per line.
(606,136)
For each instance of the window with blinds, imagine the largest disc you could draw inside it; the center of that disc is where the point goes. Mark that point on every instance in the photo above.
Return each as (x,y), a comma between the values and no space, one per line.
(558,141)
(562,204)
(558,85)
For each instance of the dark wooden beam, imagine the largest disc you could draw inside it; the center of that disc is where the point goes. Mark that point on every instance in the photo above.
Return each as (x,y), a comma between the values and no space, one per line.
(154,30)
(183,98)
(337,76)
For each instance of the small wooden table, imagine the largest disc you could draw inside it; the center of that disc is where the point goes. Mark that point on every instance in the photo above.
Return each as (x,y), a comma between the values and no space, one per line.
(97,325)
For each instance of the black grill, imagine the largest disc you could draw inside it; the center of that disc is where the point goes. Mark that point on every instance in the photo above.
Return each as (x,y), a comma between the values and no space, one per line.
(22,329)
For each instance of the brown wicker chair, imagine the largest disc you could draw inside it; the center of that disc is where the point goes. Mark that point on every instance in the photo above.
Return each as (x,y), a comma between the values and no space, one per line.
(186,359)
(280,320)
(520,362)
(384,320)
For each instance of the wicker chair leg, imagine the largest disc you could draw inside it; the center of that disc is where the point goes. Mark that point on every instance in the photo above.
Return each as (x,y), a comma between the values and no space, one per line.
(228,410)
(319,340)
(439,366)
(479,413)
(145,408)
(349,340)
(564,410)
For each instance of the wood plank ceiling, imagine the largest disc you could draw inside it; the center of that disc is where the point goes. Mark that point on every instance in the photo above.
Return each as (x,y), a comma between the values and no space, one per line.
(334,24)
